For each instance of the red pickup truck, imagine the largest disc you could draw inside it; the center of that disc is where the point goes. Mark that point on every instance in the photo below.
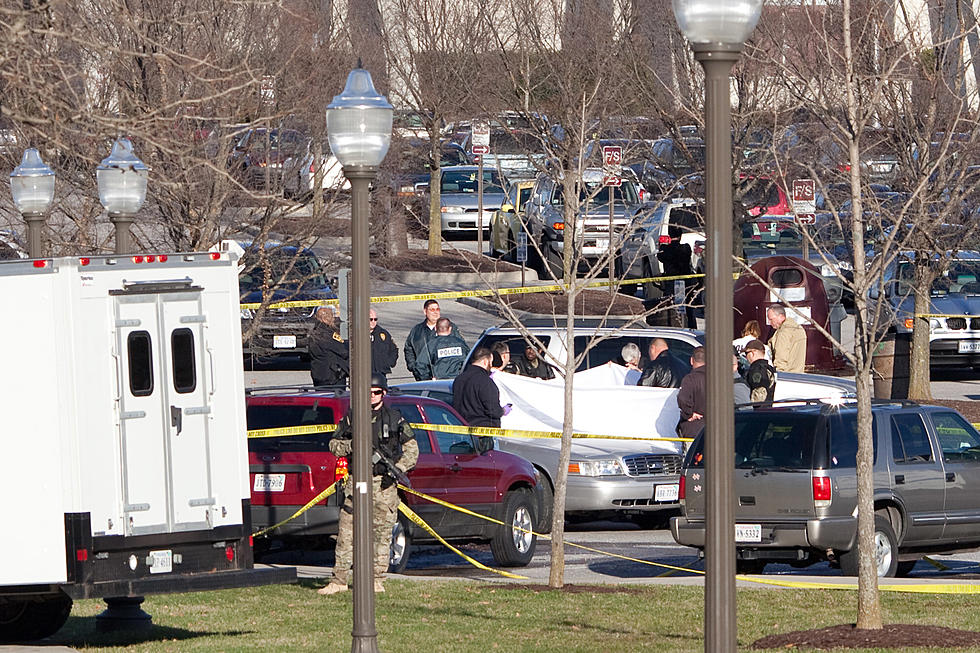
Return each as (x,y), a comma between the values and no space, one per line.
(287,472)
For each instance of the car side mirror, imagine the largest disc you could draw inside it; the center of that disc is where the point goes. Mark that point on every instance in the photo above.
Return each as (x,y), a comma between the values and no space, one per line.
(506,208)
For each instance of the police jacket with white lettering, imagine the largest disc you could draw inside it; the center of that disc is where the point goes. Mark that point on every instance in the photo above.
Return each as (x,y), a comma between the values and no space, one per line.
(446,355)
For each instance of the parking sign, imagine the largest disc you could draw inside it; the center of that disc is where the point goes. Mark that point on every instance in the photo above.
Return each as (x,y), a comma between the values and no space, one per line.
(804,196)
(612,156)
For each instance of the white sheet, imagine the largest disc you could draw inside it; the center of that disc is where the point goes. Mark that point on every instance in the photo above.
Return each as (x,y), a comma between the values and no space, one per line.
(604,404)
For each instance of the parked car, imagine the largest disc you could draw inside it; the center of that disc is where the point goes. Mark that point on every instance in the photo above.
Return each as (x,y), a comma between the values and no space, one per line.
(508,220)
(545,213)
(300,168)
(279,273)
(681,218)
(614,478)
(954,339)
(880,162)
(796,486)
(611,335)
(259,155)
(288,472)
(460,201)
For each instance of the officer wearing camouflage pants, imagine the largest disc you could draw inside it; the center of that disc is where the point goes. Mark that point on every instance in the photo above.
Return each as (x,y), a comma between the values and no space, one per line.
(392,439)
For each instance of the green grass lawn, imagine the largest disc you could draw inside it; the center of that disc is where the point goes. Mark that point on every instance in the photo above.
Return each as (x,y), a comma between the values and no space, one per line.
(437,617)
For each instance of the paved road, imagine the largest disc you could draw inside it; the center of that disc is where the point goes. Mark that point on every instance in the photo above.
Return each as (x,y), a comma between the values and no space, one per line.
(646,557)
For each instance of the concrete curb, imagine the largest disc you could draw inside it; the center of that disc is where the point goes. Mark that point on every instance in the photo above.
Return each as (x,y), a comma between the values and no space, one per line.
(435,279)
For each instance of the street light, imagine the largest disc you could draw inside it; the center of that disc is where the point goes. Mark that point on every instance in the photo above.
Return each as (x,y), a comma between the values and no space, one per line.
(122,189)
(359,131)
(32,187)
(717,30)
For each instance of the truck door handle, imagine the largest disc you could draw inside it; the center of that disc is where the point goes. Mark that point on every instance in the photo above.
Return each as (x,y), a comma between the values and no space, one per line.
(899,479)
(455,467)
(176,418)
(950,477)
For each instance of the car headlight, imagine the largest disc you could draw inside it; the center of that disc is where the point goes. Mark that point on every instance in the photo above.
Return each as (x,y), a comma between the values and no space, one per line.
(595,468)
(247,313)
(452,209)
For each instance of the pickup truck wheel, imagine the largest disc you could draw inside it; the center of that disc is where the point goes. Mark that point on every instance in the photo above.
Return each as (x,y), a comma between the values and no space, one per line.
(513,545)
(27,620)
(401,545)
(886,551)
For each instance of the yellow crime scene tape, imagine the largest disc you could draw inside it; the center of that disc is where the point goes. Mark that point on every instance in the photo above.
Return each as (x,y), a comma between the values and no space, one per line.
(317,499)
(453,294)
(484,431)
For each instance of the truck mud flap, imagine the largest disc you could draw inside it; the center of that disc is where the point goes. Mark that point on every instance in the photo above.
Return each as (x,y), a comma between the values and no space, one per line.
(203,582)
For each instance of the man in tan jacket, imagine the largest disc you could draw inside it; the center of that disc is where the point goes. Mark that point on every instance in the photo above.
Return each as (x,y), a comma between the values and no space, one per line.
(788,344)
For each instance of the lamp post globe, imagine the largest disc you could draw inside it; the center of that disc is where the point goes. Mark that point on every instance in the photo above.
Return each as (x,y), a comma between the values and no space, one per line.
(728,22)
(32,189)
(122,180)
(32,184)
(359,122)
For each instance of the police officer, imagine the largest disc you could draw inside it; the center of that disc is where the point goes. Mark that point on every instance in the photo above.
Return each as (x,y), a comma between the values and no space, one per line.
(329,354)
(393,441)
(447,351)
(384,351)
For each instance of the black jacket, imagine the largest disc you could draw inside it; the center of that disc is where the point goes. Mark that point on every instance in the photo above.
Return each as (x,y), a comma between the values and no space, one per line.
(761,377)
(476,397)
(390,435)
(663,372)
(384,352)
(418,356)
(448,354)
(329,356)
(692,398)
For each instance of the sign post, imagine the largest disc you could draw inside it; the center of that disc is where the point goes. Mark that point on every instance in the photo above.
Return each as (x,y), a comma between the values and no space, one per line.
(481,146)
(612,165)
(522,252)
(805,208)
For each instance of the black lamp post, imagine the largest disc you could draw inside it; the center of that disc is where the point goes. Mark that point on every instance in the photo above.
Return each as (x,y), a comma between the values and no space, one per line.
(359,131)
(717,30)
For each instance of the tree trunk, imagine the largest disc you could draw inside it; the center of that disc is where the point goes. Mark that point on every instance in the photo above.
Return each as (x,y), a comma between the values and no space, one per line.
(435,200)
(919,380)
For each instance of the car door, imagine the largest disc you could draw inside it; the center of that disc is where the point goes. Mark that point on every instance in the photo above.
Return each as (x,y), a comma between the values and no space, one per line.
(469,477)
(917,478)
(960,445)
(428,474)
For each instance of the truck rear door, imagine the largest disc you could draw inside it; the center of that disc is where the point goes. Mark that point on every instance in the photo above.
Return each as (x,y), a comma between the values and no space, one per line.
(164,406)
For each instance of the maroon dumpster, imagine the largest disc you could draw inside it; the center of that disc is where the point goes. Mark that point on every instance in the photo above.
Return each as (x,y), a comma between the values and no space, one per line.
(797,282)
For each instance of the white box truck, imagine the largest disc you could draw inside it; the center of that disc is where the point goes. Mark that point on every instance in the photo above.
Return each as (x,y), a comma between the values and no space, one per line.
(122,399)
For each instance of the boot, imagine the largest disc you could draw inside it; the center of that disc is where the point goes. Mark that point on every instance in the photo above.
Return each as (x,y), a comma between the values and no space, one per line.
(333,587)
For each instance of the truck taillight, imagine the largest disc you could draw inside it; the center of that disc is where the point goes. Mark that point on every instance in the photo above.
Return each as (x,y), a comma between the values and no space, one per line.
(81,555)
(909,322)
(821,491)
(40,264)
(341,470)
(215,256)
(558,226)
(84,260)
(230,553)
(682,488)
(664,240)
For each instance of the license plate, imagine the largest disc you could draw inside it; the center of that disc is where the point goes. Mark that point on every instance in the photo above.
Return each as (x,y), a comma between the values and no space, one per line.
(748,532)
(666,492)
(269,483)
(284,342)
(162,562)
(969,346)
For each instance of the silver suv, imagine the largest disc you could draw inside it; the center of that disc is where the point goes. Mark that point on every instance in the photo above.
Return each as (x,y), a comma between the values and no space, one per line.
(796,486)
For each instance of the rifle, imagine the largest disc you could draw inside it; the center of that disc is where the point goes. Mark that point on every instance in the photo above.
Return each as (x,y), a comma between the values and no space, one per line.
(389,464)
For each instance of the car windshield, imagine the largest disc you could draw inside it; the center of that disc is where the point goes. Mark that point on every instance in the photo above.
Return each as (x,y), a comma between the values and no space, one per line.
(770,235)
(962,277)
(595,193)
(465,181)
(285,269)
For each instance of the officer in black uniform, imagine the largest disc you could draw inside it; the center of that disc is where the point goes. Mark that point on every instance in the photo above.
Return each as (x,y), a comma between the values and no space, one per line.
(329,353)
(384,351)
